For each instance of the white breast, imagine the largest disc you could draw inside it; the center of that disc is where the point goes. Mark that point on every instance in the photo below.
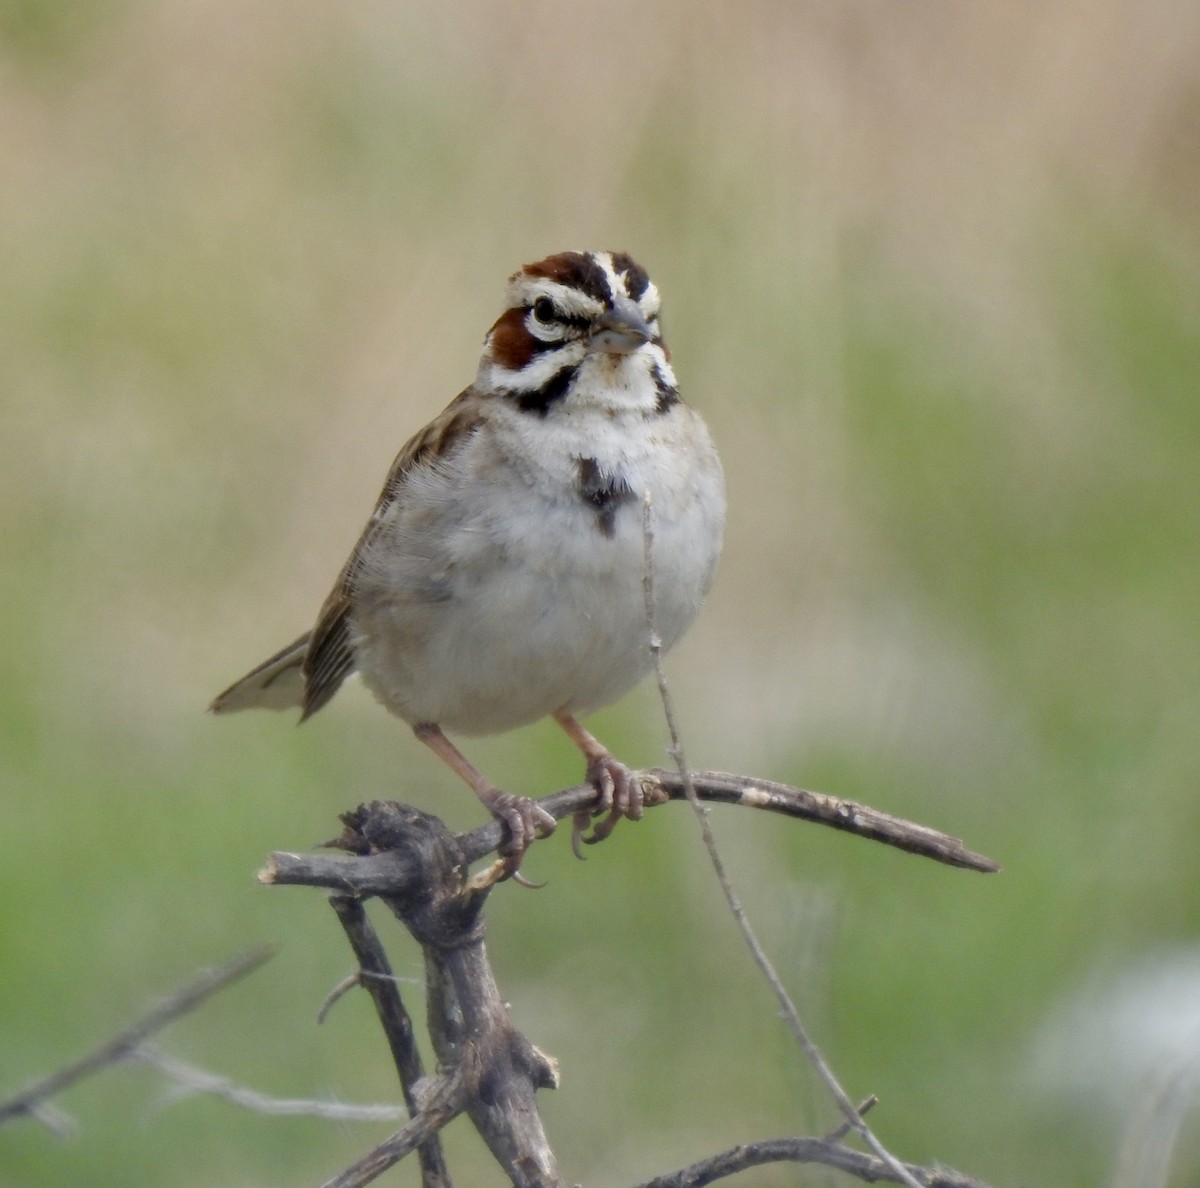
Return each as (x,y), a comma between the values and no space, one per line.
(495,594)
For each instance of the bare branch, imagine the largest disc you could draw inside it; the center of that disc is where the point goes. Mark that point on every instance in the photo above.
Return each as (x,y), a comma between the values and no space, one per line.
(842,1129)
(350,982)
(660,786)
(846,815)
(58,1122)
(496,1070)
(31,1101)
(868,1168)
(388,874)
(189,1079)
(420,871)
(375,975)
(442,1105)
(814,1055)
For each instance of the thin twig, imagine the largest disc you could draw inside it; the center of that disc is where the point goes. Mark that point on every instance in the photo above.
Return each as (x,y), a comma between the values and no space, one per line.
(30,1101)
(807,1150)
(791,1015)
(842,1129)
(58,1122)
(348,983)
(443,1103)
(189,1079)
(376,977)
(353,981)
(846,815)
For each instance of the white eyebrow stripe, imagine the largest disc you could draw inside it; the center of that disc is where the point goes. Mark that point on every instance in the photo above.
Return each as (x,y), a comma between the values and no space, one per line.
(616,285)
(649,302)
(569,300)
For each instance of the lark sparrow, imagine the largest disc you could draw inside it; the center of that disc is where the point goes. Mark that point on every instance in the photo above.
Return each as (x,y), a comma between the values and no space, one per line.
(500,577)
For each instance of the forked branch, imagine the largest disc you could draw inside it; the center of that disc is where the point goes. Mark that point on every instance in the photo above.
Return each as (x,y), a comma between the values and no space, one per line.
(34,1101)
(491,1071)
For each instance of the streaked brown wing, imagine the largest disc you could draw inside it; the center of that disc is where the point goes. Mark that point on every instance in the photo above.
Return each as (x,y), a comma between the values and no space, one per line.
(330,657)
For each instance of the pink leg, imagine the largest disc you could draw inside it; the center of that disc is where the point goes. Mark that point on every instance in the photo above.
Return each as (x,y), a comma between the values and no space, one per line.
(524,819)
(617,792)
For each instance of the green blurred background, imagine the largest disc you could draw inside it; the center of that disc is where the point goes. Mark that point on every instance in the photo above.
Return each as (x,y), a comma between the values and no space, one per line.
(932,274)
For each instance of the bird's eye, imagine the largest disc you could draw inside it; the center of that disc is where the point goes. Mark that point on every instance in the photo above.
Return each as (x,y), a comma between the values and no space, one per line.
(543,310)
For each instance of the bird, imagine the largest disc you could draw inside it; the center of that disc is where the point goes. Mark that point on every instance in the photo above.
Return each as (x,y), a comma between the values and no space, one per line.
(500,577)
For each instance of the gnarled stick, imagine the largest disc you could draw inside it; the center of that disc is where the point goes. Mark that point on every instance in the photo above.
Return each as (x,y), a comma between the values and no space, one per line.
(493,1071)
(375,975)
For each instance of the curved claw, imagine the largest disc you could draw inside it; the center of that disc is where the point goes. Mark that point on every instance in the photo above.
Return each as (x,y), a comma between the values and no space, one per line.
(579,824)
(521,881)
(524,821)
(602,829)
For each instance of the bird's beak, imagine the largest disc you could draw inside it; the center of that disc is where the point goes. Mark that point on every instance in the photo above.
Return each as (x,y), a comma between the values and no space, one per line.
(621,330)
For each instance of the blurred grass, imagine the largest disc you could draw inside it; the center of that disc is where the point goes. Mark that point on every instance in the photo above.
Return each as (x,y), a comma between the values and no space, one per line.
(933,276)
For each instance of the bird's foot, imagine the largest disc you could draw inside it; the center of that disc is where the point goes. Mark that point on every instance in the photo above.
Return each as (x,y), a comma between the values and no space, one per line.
(619,794)
(524,821)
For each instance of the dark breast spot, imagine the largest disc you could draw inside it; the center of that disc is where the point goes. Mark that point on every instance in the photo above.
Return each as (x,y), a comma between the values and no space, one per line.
(604,491)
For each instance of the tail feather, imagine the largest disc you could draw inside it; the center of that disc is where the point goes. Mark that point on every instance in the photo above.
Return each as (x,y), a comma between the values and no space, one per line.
(277,683)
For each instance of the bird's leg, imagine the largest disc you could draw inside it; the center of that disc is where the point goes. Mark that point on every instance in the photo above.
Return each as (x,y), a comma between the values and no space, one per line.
(618,792)
(522,817)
